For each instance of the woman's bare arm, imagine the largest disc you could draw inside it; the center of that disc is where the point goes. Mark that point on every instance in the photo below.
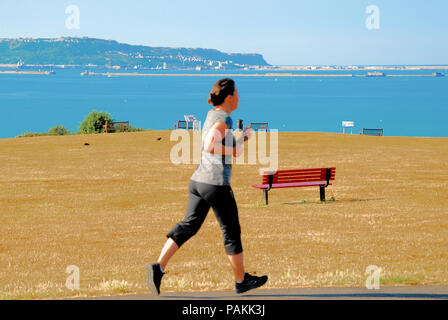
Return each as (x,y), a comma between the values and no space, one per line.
(213,141)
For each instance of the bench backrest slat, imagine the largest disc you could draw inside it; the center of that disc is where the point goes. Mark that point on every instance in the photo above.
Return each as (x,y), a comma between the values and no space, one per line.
(300,175)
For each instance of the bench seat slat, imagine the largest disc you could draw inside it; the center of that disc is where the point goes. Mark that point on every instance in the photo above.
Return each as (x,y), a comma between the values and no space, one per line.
(296,179)
(293,181)
(291,184)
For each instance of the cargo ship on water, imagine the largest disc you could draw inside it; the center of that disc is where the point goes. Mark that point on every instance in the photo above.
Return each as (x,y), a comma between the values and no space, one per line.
(375,74)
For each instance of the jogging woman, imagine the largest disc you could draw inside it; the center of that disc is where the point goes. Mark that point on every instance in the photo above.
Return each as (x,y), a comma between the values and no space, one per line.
(210,188)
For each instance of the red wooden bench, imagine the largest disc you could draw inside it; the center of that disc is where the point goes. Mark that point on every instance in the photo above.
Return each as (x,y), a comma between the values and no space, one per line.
(320,177)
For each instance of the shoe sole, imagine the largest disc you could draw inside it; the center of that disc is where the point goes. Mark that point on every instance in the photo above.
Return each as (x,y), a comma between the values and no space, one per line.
(240,292)
(150,280)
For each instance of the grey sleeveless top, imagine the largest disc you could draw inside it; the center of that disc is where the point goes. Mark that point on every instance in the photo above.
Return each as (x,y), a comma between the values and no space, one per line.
(215,169)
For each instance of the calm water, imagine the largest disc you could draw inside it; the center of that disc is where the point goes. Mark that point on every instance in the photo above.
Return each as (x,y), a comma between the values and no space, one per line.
(409,106)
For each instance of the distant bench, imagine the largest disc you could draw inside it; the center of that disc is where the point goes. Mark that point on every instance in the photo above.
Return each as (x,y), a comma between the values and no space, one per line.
(181,124)
(263,126)
(320,177)
(372,132)
(111,126)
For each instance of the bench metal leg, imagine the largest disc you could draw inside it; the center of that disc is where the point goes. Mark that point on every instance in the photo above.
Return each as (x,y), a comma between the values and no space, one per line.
(322,193)
(265,191)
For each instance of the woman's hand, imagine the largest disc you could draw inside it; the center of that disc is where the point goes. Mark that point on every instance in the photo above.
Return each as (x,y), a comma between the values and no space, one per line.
(247,134)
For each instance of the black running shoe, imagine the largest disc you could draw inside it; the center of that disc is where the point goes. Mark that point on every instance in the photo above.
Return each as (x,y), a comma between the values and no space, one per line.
(154,277)
(250,282)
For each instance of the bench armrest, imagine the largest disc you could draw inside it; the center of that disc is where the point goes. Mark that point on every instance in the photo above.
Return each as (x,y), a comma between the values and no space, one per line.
(328,176)
(270,179)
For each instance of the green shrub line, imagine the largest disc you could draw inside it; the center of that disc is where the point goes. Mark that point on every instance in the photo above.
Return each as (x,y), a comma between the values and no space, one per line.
(92,124)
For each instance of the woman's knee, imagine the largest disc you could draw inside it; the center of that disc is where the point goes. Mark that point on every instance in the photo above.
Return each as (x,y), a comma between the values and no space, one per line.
(233,246)
(182,232)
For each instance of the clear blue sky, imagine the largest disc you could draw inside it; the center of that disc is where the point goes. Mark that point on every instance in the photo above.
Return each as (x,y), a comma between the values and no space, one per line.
(286,32)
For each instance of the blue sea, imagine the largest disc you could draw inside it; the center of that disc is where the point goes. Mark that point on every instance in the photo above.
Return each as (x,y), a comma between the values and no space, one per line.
(402,106)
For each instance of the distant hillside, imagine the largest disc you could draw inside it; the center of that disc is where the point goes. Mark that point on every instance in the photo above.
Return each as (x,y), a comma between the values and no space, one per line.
(89,51)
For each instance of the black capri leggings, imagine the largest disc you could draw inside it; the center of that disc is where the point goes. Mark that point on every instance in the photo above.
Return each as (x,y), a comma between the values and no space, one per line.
(203,196)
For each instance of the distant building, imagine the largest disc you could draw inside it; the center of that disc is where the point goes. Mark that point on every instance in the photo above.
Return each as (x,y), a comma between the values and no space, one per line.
(219,66)
(20,64)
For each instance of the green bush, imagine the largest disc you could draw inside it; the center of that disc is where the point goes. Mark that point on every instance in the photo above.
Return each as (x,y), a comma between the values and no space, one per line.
(58,131)
(94,122)
(32,134)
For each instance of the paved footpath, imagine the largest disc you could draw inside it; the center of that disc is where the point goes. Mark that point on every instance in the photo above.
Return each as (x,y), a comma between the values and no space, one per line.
(347,293)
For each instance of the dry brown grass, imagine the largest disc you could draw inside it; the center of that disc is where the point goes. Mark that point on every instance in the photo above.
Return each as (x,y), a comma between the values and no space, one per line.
(107,207)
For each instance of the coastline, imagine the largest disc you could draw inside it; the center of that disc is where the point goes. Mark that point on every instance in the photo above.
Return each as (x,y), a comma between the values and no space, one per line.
(267,75)
(249,75)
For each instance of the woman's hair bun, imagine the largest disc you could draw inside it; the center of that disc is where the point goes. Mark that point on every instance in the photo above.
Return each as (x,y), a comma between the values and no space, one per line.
(221,89)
